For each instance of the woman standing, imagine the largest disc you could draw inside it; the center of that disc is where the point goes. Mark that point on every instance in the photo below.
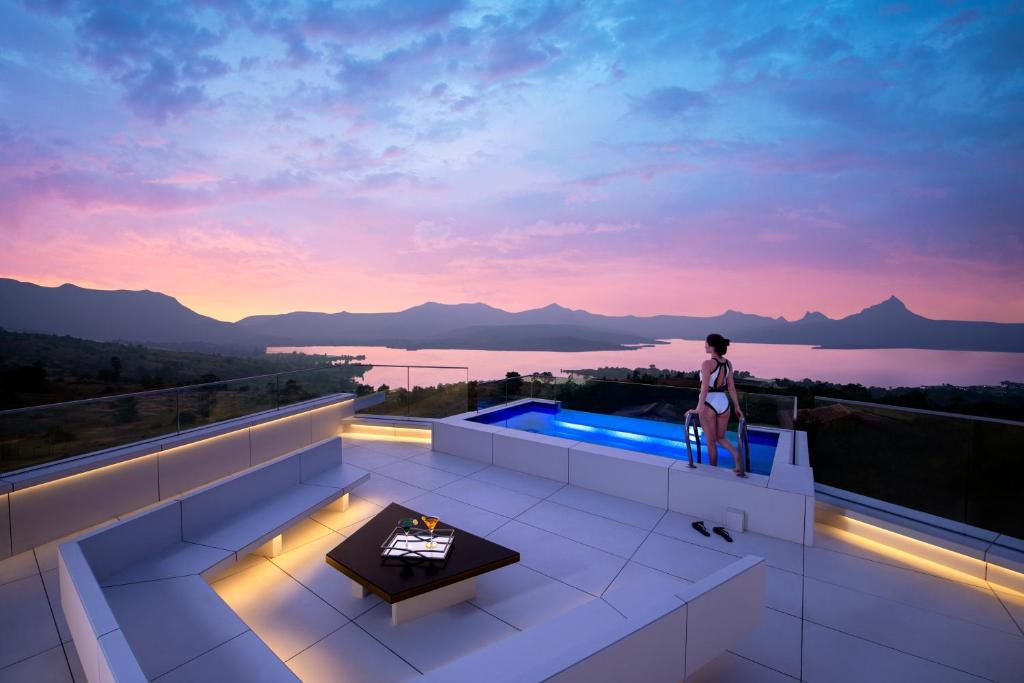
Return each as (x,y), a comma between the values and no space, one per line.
(713,404)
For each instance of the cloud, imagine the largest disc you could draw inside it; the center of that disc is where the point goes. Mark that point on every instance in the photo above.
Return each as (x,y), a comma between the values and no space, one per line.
(428,236)
(351,21)
(669,102)
(511,239)
(158,52)
(759,45)
(514,55)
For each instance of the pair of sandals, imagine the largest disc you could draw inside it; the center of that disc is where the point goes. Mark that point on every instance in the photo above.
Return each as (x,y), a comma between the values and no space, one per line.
(720,530)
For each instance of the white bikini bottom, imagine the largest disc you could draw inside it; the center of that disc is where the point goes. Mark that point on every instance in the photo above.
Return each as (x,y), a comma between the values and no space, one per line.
(718,402)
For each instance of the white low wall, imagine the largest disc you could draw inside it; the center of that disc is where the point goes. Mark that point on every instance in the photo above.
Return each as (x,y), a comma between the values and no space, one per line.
(780,505)
(48,503)
(986,555)
(652,635)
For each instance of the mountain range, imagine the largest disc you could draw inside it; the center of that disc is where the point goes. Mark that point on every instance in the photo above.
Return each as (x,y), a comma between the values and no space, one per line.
(156,319)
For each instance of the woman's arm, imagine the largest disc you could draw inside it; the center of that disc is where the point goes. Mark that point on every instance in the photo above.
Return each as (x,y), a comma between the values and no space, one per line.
(732,394)
(705,371)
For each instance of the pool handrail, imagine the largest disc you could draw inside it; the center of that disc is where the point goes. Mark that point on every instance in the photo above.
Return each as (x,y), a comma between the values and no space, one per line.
(687,425)
(742,438)
(743,444)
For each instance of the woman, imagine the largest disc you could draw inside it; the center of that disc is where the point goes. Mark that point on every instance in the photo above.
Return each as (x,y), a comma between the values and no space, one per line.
(713,404)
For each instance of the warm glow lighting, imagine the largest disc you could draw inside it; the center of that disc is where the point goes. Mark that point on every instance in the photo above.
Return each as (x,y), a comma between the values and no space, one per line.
(200,442)
(387,437)
(79,475)
(905,557)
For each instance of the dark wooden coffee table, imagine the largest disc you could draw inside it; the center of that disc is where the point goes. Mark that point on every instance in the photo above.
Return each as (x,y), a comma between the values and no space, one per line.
(415,588)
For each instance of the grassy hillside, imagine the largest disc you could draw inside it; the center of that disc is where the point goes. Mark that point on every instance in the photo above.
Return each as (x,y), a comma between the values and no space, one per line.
(40,368)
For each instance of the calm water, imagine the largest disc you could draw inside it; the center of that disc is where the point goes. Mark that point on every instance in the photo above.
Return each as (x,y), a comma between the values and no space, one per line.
(647,436)
(872,367)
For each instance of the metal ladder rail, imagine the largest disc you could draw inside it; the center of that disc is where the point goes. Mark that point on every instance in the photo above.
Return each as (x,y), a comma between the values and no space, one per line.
(743,442)
(687,425)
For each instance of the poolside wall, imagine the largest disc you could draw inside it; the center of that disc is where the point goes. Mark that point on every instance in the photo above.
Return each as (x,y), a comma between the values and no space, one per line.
(47,503)
(780,505)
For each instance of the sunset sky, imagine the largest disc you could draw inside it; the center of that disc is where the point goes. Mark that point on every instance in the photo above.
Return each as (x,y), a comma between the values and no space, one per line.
(623,157)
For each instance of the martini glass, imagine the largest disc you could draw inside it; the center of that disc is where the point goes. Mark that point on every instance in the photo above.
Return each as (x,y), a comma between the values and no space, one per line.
(407,524)
(431,522)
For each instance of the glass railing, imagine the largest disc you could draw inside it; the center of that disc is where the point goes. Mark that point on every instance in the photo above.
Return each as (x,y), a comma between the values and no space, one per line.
(43,434)
(959,467)
(419,390)
(659,402)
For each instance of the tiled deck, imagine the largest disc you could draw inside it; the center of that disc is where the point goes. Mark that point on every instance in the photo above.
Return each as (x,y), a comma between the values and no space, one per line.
(839,611)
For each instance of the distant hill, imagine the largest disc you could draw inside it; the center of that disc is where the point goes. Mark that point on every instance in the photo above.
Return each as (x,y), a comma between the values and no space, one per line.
(122,315)
(156,319)
(479,326)
(540,337)
(891,324)
(44,368)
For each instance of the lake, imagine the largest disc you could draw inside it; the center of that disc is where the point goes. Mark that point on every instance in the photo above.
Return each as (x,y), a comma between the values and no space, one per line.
(871,367)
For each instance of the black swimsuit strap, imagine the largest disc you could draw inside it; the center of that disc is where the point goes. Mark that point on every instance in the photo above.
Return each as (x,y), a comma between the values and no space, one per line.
(722,375)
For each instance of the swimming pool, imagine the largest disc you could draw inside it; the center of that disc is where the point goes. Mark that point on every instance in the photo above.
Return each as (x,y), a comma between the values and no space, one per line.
(646,436)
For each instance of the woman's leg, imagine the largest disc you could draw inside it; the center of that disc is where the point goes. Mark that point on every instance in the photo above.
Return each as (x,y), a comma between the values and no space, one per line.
(723,440)
(709,423)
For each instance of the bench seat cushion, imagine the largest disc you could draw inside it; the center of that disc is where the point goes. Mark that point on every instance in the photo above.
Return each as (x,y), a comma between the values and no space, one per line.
(261,522)
(177,559)
(344,477)
(168,623)
(245,658)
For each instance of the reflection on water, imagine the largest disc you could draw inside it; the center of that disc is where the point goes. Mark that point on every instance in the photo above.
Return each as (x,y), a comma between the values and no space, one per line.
(871,367)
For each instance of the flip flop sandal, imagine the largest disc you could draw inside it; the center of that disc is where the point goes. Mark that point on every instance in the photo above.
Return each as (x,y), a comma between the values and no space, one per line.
(720,530)
(699,526)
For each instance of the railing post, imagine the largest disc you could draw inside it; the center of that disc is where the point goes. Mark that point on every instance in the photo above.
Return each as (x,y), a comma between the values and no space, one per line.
(408,391)
(177,410)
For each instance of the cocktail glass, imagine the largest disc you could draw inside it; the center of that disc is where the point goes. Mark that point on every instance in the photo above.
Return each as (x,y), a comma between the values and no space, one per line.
(407,524)
(431,522)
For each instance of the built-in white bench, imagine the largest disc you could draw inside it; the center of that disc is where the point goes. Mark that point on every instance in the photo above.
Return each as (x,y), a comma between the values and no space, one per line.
(42,504)
(134,592)
(634,634)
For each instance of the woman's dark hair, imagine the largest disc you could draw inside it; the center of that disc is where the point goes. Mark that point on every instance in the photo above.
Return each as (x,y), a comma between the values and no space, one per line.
(719,343)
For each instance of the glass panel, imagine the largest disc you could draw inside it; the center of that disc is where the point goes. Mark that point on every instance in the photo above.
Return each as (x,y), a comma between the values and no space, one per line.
(993,490)
(437,392)
(210,403)
(544,385)
(394,382)
(517,387)
(916,460)
(661,402)
(352,378)
(304,385)
(34,437)
(489,394)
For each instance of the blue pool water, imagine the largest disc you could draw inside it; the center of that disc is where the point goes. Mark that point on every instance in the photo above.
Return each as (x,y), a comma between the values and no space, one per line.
(635,434)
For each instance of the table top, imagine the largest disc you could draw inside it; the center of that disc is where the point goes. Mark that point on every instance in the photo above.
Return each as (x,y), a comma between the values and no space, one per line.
(358,557)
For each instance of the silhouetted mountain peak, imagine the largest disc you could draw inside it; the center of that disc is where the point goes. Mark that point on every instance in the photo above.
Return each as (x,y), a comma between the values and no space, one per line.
(890,308)
(813,317)
(893,302)
(438,306)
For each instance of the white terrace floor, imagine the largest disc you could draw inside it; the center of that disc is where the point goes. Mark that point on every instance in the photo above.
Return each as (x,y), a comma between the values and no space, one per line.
(839,611)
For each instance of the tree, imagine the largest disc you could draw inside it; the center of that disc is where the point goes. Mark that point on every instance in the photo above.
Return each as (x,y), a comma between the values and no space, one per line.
(513,382)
